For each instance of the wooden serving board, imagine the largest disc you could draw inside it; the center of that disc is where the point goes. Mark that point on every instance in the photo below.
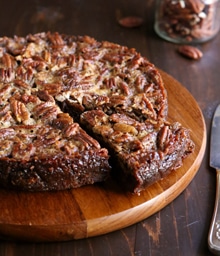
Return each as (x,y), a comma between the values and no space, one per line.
(102,208)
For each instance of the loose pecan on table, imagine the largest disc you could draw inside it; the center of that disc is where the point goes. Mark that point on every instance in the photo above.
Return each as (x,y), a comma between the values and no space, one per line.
(130,21)
(190,52)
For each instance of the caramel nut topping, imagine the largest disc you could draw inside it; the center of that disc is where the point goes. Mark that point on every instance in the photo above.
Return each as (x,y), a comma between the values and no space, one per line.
(44,73)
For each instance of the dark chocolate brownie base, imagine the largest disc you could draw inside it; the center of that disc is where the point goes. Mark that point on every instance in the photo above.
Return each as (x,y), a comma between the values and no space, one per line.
(55,173)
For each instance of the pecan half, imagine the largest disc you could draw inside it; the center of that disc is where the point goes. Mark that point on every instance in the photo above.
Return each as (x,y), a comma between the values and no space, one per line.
(71,130)
(46,112)
(190,52)
(56,39)
(19,110)
(196,5)
(130,21)
(86,141)
(63,121)
(125,128)
(21,84)
(6,133)
(52,88)
(163,137)
(8,61)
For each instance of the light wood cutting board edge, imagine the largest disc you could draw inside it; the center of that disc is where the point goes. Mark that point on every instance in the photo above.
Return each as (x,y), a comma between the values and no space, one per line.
(84,216)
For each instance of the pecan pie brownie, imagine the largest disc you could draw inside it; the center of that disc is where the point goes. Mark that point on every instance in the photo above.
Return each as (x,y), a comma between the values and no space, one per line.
(144,152)
(61,97)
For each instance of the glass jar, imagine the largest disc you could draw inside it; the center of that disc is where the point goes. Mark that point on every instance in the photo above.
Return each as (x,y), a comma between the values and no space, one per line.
(187,21)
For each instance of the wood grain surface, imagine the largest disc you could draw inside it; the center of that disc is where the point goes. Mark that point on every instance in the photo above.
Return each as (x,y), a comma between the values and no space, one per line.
(102,208)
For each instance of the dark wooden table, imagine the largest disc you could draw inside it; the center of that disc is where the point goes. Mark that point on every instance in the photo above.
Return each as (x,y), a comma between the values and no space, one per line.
(182,227)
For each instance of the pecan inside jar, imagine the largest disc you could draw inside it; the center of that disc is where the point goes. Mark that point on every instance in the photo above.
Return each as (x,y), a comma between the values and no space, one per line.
(185,21)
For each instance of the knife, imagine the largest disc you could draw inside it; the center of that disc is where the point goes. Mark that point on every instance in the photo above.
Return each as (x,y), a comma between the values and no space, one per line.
(214,232)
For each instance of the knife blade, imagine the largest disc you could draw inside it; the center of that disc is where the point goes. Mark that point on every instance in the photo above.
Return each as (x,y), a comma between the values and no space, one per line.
(214,232)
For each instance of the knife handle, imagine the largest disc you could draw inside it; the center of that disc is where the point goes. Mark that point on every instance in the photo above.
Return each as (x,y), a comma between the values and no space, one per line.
(214,232)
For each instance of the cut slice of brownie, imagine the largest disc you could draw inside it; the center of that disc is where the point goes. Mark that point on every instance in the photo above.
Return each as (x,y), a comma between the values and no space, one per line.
(143,152)
(42,148)
(40,157)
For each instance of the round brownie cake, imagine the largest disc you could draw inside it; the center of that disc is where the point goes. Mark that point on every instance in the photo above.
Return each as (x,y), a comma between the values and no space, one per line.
(74,111)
